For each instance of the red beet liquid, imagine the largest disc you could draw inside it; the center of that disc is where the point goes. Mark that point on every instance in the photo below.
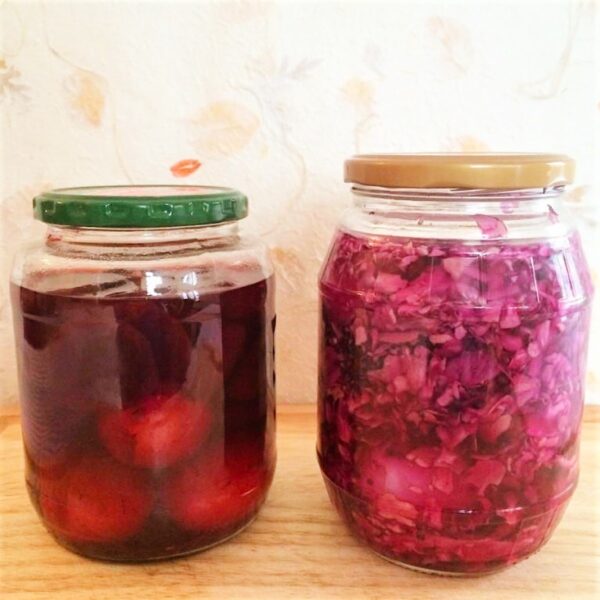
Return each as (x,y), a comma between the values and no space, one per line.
(148,422)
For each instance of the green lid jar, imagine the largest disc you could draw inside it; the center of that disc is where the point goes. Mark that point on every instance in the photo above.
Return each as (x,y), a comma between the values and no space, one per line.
(151,206)
(144,327)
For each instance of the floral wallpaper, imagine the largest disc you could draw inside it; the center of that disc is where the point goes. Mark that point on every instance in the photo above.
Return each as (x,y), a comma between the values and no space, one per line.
(270,97)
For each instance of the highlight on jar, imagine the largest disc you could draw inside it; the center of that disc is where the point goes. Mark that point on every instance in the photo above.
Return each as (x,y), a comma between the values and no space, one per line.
(144,330)
(455,308)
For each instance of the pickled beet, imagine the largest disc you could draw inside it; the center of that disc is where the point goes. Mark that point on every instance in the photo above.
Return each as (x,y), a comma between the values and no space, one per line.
(159,431)
(221,488)
(159,345)
(125,398)
(451,391)
(94,500)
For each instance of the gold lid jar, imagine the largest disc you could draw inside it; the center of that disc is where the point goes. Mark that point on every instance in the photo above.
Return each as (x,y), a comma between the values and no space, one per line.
(478,171)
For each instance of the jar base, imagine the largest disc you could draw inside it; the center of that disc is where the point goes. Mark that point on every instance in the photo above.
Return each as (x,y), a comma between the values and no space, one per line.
(162,557)
(438,572)
(349,506)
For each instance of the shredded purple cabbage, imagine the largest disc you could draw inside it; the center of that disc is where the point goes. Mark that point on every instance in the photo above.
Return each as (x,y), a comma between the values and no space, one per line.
(451,393)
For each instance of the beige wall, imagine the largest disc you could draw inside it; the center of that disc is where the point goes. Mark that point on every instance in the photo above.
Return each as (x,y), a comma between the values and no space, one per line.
(271,97)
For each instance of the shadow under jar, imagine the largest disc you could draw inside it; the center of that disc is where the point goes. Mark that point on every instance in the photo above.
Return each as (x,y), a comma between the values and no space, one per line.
(144,333)
(455,306)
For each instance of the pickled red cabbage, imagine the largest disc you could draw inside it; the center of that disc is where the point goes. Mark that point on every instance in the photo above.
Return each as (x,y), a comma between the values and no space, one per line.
(451,391)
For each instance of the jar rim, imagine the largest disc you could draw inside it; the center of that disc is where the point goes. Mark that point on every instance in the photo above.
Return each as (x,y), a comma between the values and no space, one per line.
(483,170)
(140,206)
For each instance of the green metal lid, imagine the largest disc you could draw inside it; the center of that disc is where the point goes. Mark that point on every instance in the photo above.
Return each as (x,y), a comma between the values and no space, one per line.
(140,206)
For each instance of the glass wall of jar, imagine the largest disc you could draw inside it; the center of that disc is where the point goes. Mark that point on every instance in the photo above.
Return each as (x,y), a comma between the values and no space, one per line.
(455,305)
(144,332)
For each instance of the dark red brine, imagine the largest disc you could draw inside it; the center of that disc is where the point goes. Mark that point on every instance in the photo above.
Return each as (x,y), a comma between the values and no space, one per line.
(147,387)
(148,424)
(451,386)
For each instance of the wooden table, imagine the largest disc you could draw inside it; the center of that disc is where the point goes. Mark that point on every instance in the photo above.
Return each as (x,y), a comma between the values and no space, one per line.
(297,548)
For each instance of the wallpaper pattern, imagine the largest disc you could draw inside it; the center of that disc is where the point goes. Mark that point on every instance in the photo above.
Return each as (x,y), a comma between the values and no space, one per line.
(270,97)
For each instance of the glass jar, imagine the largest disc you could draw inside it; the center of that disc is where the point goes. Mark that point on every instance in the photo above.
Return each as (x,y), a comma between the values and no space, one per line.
(144,333)
(455,306)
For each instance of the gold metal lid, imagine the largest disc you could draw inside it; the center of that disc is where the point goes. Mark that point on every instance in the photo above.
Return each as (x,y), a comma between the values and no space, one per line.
(463,171)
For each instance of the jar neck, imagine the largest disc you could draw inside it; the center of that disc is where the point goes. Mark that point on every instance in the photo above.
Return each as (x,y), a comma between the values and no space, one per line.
(365,194)
(453,213)
(118,243)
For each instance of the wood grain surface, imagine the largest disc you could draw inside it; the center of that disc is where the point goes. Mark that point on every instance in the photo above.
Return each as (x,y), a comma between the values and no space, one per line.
(297,548)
